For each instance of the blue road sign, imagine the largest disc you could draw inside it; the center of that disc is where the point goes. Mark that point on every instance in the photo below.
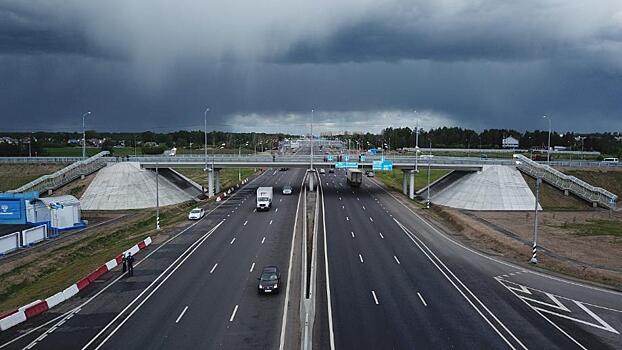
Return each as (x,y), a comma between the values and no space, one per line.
(383,165)
(362,157)
(346,157)
(329,157)
(346,165)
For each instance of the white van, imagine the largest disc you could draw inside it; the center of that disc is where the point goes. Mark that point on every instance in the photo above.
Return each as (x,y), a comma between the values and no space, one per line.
(612,161)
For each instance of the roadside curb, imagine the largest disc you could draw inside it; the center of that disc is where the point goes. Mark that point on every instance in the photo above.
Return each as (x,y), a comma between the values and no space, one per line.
(23,313)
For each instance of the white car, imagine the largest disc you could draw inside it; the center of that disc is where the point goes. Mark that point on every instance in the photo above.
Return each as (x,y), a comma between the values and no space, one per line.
(196,214)
(322,171)
(287,190)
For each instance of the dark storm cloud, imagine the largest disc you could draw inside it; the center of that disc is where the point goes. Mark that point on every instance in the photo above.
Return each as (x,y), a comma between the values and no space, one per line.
(361,64)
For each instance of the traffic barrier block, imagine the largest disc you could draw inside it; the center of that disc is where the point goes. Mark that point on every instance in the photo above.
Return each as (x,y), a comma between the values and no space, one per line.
(83,283)
(119,259)
(7,313)
(111,264)
(70,291)
(218,199)
(147,241)
(12,320)
(36,309)
(141,245)
(133,250)
(55,299)
(97,273)
(22,308)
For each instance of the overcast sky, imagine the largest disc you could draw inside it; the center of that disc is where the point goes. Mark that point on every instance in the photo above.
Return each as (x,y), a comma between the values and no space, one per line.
(263,65)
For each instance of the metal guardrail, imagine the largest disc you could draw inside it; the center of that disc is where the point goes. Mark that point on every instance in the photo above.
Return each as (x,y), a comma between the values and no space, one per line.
(565,182)
(66,174)
(39,160)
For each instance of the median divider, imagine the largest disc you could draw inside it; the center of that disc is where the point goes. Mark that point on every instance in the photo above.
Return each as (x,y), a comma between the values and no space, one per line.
(14,317)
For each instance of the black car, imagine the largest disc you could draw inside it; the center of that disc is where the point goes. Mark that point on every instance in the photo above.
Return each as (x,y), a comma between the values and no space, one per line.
(331,171)
(270,280)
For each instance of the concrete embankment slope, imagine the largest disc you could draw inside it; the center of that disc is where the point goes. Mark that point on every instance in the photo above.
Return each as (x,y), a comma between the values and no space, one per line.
(496,187)
(126,186)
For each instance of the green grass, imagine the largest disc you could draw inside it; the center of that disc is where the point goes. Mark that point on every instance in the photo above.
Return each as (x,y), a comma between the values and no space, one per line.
(228,177)
(553,199)
(611,180)
(13,176)
(596,228)
(60,267)
(90,151)
(393,178)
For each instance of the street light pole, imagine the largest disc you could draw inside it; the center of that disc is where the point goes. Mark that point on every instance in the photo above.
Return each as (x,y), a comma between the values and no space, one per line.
(312,112)
(429,168)
(534,259)
(548,151)
(84,134)
(205,134)
(417,146)
(157,199)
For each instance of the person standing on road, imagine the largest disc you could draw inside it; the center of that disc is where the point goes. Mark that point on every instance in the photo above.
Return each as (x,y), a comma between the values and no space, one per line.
(130,264)
(124,259)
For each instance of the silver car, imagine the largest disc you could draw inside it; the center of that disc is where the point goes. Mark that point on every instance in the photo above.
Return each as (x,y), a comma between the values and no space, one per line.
(287,190)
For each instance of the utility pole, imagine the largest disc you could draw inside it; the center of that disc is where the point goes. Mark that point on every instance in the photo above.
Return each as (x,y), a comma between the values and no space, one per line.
(534,259)
(429,168)
(312,111)
(548,151)
(157,199)
(84,134)
(417,146)
(205,134)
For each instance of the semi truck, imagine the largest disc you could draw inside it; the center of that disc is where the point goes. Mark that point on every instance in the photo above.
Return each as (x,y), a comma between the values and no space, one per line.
(264,198)
(354,177)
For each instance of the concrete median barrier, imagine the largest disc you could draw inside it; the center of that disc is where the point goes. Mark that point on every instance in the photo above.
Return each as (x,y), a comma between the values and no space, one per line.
(12,320)
(36,309)
(55,299)
(97,273)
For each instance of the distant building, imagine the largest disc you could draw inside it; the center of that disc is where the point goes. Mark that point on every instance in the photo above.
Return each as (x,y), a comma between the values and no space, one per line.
(73,142)
(9,140)
(509,142)
(150,144)
(560,148)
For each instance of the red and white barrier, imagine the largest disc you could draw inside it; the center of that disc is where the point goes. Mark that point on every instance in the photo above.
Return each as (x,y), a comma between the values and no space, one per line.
(17,316)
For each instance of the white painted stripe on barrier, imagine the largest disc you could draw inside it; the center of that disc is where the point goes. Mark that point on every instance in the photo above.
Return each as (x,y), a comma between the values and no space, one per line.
(55,299)
(148,241)
(70,291)
(111,264)
(12,320)
(132,250)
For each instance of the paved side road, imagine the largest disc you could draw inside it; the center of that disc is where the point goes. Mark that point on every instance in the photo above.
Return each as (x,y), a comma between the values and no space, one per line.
(398,282)
(198,290)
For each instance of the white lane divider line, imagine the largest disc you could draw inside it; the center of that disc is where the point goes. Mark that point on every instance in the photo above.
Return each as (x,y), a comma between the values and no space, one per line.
(352,233)
(358,199)
(235,310)
(361,258)
(270,222)
(246,222)
(252,267)
(213,268)
(263,239)
(276,210)
(375,298)
(371,219)
(422,300)
(339,198)
(343,207)
(280,200)
(233,240)
(364,208)
(255,210)
(381,236)
(181,314)
(396,260)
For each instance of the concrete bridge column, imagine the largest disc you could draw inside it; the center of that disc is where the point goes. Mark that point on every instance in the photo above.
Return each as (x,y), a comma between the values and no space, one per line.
(405,182)
(217,178)
(210,183)
(412,185)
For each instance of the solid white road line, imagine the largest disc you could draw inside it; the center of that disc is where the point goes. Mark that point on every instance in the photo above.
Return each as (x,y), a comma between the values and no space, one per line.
(381,236)
(235,310)
(213,268)
(181,314)
(352,233)
(263,240)
(252,267)
(329,302)
(233,240)
(396,260)
(422,300)
(375,298)
(361,258)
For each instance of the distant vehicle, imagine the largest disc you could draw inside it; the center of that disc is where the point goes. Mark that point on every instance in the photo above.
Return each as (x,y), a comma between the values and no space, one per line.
(483,156)
(270,280)
(611,160)
(287,190)
(196,214)
(331,171)
(264,198)
(370,174)
(322,171)
(284,169)
(354,177)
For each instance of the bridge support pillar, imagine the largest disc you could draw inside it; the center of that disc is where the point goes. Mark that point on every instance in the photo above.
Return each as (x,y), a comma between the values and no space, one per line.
(217,180)
(566,192)
(411,193)
(210,183)
(405,182)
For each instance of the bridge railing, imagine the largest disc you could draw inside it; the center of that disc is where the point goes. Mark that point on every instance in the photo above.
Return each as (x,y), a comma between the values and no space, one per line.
(66,174)
(565,182)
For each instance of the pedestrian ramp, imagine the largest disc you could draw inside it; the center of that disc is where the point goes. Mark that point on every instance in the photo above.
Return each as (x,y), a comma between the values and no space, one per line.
(495,187)
(122,186)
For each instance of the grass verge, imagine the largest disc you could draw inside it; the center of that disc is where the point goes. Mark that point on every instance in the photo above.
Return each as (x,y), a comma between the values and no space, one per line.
(228,176)
(13,176)
(393,178)
(595,228)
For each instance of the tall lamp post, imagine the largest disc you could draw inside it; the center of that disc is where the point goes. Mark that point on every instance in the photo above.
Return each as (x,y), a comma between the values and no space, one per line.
(312,112)
(240,157)
(157,199)
(417,145)
(548,151)
(429,168)
(84,134)
(205,134)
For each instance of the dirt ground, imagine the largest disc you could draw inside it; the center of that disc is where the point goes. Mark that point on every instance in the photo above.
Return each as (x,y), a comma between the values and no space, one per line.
(596,258)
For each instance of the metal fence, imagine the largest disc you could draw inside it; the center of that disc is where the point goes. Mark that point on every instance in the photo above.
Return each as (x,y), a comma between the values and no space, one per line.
(565,182)
(66,174)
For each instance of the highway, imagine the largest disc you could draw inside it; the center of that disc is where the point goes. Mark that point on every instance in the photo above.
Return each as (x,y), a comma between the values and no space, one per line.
(198,291)
(397,282)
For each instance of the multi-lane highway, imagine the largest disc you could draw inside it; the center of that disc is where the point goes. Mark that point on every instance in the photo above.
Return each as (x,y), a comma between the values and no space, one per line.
(387,279)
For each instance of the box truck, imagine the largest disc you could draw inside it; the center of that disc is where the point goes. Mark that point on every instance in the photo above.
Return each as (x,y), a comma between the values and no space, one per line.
(264,198)
(354,177)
